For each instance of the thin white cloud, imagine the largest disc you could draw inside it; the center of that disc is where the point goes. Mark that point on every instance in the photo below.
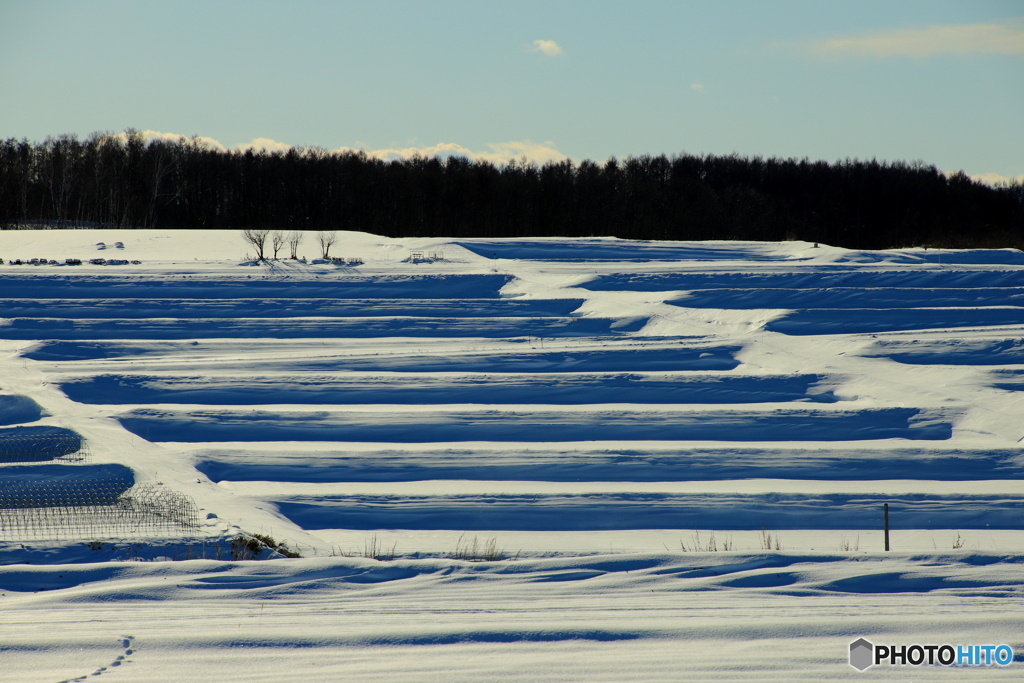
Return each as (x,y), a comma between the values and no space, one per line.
(697,87)
(151,135)
(497,153)
(547,47)
(256,144)
(441,149)
(263,145)
(1002,38)
(537,152)
(996,179)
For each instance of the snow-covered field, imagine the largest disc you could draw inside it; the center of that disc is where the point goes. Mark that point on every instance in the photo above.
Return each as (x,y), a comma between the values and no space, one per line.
(680,450)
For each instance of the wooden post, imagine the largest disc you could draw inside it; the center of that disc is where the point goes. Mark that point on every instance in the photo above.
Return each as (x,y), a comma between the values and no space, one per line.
(885,508)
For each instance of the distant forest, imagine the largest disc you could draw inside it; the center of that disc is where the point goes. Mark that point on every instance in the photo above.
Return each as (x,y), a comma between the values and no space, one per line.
(123,181)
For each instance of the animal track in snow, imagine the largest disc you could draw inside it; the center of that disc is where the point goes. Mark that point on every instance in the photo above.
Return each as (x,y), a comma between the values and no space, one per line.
(126,643)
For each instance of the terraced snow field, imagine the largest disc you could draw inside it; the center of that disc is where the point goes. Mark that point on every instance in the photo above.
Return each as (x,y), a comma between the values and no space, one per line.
(679,449)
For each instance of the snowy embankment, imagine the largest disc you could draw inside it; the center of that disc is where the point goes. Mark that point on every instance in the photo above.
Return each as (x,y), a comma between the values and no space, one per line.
(680,450)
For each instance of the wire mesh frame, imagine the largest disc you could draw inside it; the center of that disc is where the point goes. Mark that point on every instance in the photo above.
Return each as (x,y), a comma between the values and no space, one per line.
(88,509)
(22,448)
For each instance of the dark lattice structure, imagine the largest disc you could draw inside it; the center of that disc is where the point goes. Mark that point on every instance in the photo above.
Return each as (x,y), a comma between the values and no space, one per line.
(92,508)
(22,447)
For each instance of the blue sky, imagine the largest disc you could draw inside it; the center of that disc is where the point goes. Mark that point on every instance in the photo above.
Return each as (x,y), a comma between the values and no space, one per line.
(939,81)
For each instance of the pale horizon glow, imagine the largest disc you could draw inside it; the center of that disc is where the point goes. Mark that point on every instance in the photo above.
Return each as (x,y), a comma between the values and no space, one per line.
(496,153)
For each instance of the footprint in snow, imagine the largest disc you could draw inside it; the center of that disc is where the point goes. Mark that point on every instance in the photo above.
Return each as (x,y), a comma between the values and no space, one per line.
(126,643)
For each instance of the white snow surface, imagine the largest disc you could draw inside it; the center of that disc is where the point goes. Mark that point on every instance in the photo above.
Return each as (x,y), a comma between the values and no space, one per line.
(679,452)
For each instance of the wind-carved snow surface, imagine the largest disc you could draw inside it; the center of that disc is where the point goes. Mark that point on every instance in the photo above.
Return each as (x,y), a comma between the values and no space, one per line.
(680,451)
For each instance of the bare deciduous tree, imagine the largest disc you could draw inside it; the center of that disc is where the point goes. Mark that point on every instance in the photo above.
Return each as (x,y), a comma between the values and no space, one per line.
(326,240)
(294,238)
(256,238)
(277,239)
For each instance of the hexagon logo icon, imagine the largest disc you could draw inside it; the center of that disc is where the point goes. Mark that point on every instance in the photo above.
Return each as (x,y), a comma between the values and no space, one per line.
(862,654)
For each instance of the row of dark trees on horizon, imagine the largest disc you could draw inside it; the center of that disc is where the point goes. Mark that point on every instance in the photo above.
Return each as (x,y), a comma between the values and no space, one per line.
(124,181)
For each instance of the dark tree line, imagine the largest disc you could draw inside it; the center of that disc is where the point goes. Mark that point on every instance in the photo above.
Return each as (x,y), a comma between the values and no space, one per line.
(125,182)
